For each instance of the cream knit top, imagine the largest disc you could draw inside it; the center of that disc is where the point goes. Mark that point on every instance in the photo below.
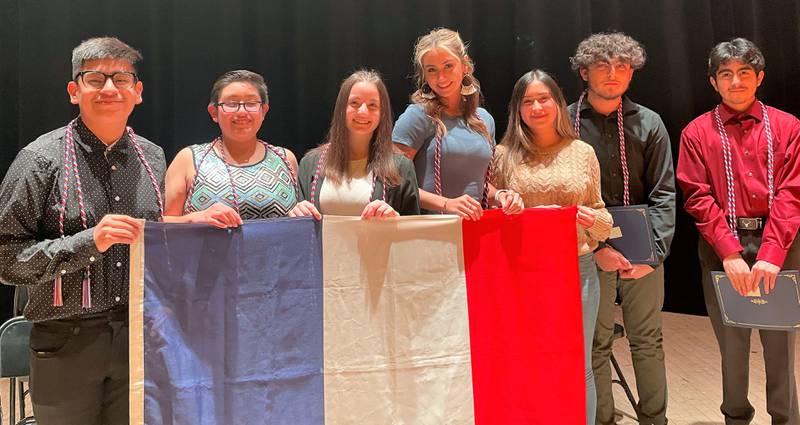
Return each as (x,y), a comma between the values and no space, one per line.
(564,174)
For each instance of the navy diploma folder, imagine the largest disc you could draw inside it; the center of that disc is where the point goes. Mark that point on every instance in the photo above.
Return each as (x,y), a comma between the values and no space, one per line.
(778,310)
(632,234)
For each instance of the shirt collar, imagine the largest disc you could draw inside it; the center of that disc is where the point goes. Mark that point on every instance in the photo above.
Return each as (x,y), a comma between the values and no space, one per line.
(91,143)
(754,111)
(628,107)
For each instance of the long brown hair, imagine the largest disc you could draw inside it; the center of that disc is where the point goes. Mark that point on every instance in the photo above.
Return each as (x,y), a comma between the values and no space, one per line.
(518,138)
(336,164)
(449,40)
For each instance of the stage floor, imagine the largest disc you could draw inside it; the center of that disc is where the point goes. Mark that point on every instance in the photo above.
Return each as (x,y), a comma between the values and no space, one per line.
(695,384)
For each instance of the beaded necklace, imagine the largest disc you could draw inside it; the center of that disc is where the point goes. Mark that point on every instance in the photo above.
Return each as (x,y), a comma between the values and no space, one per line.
(727,159)
(626,199)
(71,168)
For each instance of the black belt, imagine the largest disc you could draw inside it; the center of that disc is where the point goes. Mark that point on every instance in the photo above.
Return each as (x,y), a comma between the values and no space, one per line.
(750,223)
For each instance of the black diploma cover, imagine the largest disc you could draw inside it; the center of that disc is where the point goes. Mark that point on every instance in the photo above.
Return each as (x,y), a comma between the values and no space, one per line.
(778,310)
(632,234)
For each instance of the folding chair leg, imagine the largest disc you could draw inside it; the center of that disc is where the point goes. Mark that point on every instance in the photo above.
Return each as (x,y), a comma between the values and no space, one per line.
(12,397)
(621,381)
(21,400)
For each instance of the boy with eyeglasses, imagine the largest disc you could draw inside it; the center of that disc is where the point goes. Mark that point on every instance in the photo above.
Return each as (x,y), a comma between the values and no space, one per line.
(69,206)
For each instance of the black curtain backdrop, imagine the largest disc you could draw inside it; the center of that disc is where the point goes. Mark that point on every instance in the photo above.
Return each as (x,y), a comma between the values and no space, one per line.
(304,48)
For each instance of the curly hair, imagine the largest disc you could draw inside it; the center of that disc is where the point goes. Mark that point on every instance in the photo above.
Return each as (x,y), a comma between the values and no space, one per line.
(607,47)
(740,49)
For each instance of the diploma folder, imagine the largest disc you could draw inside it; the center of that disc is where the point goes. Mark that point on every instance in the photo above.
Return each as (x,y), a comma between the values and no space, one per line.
(632,234)
(778,310)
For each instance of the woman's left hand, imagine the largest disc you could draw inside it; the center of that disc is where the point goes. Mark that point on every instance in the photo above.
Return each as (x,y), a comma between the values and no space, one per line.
(511,202)
(586,216)
(378,209)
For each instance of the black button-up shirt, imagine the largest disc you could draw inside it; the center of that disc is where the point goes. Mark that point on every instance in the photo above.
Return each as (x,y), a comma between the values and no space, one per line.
(32,253)
(649,156)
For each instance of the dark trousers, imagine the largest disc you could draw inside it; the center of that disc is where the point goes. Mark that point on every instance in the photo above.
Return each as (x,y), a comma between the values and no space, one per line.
(79,371)
(734,346)
(641,302)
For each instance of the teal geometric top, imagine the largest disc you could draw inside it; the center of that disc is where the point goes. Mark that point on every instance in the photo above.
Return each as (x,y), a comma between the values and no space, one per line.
(265,189)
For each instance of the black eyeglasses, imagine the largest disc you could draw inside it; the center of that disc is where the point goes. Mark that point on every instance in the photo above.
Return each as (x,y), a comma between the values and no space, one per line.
(97,79)
(231,107)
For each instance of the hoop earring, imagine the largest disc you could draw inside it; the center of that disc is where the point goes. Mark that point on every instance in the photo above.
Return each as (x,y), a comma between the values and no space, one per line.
(427,92)
(467,86)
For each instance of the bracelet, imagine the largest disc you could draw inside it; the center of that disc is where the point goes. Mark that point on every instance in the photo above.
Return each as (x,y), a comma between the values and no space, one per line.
(444,207)
(497,194)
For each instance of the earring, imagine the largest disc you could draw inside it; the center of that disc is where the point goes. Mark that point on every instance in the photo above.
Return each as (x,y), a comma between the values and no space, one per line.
(427,92)
(468,86)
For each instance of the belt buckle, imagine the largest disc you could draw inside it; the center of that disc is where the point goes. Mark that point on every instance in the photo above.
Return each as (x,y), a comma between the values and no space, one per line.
(748,223)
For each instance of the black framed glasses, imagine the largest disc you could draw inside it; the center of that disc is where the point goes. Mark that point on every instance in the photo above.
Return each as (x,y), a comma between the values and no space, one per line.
(97,79)
(231,107)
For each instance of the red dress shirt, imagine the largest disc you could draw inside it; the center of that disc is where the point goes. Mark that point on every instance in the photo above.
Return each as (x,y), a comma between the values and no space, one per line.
(701,176)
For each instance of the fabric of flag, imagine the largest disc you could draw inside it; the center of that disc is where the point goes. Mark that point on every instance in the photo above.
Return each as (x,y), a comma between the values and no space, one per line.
(525,317)
(413,322)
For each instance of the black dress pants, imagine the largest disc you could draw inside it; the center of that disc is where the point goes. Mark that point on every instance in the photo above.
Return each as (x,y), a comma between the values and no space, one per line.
(79,370)
(734,346)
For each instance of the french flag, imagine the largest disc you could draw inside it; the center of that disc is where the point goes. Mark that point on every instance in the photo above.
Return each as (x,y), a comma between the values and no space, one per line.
(410,320)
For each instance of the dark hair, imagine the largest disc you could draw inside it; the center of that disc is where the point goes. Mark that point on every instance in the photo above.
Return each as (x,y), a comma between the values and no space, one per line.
(607,47)
(518,137)
(239,75)
(102,48)
(740,49)
(379,159)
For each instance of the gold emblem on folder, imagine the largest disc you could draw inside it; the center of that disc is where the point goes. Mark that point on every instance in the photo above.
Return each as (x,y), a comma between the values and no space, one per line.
(759,301)
(616,232)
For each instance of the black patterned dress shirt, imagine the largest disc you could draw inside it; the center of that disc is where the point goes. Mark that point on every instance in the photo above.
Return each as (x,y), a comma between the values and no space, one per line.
(32,253)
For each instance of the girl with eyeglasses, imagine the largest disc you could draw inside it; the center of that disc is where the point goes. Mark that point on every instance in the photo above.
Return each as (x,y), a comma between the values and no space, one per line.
(355,171)
(236,176)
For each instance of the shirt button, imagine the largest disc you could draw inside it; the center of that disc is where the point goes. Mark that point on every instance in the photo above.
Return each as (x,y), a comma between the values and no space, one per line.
(63,272)
(749,174)
(753,196)
(116,198)
(114,167)
(91,258)
(120,264)
(746,152)
(116,299)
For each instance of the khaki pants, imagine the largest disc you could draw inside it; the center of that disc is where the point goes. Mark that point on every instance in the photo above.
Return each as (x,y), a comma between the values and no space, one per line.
(734,346)
(641,302)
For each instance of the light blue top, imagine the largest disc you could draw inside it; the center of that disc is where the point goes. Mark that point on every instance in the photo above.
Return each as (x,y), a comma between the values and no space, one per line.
(465,152)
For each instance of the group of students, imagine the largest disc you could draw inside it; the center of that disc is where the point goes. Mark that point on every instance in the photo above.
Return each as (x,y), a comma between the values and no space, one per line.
(68,202)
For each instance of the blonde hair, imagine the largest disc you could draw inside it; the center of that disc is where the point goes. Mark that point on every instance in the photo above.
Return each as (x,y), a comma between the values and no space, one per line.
(449,40)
